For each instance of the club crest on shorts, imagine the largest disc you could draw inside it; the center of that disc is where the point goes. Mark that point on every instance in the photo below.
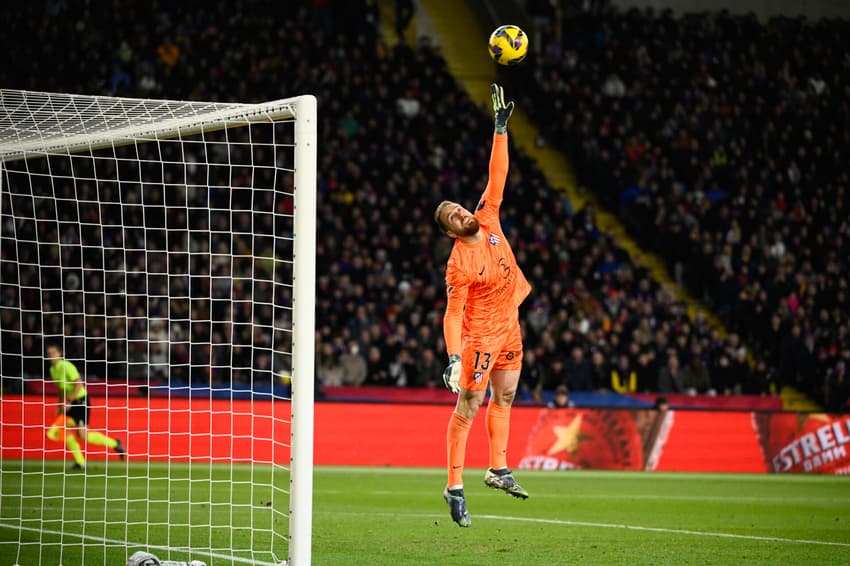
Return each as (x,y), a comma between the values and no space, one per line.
(477,376)
(494,239)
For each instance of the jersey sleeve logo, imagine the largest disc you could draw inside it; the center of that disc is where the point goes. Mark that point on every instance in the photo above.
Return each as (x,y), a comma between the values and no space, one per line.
(494,239)
(449,290)
(481,204)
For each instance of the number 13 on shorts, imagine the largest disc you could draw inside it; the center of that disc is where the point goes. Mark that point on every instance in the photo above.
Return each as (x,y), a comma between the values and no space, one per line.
(482,360)
(476,368)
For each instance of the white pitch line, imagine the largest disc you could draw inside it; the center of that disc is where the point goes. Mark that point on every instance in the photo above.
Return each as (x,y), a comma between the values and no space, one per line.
(837,502)
(663,530)
(600,474)
(114,542)
(567,523)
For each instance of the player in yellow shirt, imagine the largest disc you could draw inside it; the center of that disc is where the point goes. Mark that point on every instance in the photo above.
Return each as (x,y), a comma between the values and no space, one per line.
(72,410)
(485,287)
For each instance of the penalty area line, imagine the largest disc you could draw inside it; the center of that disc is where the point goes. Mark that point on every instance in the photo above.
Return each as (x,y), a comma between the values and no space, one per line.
(114,542)
(660,530)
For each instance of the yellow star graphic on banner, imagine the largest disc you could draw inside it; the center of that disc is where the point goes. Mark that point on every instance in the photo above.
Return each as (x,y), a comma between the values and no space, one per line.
(568,437)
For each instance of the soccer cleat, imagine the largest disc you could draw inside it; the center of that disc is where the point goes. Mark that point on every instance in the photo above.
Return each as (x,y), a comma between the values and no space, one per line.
(457,506)
(504,480)
(119,449)
(77,467)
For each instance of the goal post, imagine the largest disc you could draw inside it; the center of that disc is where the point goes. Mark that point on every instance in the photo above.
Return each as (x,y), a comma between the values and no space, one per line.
(168,248)
(304,293)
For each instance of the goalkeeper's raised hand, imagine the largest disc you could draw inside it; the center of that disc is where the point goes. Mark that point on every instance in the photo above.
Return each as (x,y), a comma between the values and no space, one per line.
(451,376)
(500,109)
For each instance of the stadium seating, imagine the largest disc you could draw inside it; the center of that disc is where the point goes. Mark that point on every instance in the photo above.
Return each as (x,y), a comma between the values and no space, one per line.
(398,135)
(718,140)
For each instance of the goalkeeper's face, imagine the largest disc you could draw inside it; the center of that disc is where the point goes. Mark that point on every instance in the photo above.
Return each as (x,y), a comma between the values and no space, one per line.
(459,222)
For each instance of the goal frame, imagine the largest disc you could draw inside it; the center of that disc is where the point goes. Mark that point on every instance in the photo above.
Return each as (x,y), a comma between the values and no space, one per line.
(19,143)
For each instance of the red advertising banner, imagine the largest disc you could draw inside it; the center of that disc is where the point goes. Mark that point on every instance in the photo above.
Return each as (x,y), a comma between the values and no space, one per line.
(710,441)
(565,439)
(812,443)
(370,434)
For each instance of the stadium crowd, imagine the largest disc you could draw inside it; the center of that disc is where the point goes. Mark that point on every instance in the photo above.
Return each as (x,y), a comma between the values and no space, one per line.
(398,135)
(722,143)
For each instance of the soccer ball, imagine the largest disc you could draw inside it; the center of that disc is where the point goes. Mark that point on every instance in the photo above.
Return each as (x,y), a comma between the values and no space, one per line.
(508,45)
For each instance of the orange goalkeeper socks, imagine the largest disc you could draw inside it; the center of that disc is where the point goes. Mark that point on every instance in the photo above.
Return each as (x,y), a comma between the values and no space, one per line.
(498,423)
(456,436)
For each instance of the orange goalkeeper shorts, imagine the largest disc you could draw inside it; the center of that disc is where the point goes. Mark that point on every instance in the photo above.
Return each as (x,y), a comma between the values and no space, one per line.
(482,355)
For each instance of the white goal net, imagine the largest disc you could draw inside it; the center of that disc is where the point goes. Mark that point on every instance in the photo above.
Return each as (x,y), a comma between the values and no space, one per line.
(166,249)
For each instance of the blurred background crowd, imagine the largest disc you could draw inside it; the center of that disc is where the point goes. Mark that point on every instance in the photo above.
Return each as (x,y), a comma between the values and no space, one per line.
(719,141)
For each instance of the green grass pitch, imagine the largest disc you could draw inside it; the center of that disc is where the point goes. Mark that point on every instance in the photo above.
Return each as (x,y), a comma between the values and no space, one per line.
(397,516)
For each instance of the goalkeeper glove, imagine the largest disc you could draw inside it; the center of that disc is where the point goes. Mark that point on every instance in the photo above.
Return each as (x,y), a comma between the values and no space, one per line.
(500,109)
(451,376)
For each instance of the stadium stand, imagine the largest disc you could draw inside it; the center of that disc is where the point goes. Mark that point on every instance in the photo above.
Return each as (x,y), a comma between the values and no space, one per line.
(721,142)
(398,135)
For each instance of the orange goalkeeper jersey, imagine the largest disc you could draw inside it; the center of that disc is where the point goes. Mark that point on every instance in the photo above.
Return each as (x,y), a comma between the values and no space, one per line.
(484,284)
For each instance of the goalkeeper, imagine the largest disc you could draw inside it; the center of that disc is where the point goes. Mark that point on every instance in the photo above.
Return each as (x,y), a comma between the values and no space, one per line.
(72,410)
(485,287)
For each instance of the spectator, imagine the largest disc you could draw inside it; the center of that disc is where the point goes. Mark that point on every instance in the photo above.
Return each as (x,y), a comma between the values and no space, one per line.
(579,376)
(430,370)
(671,378)
(723,376)
(403,368)
(168,52)
(601,375)
(837,398)
(790,352)
(354,368)
(404,11)
(329,369)
(378,367)
(646,370)
(623,377)
(561,399)
(696,376)
(761,381)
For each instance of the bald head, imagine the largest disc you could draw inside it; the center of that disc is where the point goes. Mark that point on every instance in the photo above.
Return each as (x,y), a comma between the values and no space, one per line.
(455,220)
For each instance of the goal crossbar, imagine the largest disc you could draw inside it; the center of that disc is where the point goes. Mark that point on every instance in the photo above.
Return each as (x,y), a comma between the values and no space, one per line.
(45,123)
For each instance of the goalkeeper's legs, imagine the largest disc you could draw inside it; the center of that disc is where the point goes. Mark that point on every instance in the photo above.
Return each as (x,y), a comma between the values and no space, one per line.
(503,384)
(456,437)
(498,423)
(457,434)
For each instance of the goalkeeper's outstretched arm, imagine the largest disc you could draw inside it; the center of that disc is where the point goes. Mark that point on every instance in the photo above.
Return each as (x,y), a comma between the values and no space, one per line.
(499,154)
